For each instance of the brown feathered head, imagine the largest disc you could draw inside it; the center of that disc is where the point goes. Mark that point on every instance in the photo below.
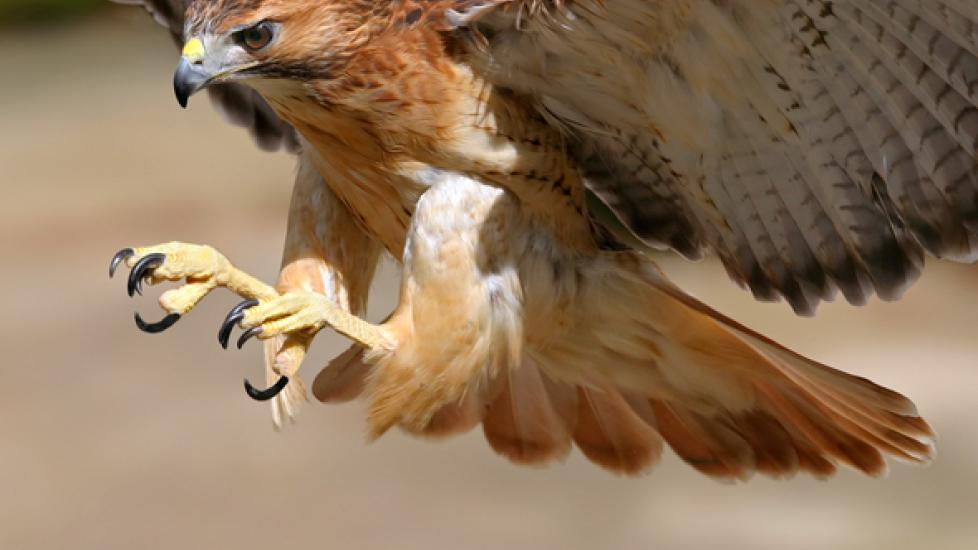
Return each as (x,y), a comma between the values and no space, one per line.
(242,40)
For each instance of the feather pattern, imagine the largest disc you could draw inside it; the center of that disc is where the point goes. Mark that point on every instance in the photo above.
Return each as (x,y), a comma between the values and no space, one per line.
(813,145)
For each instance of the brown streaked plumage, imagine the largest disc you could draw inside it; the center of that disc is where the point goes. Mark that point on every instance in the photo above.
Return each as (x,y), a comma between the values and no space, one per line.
(518,156)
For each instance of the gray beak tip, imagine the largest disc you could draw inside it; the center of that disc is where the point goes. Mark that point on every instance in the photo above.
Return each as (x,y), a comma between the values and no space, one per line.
(187,81)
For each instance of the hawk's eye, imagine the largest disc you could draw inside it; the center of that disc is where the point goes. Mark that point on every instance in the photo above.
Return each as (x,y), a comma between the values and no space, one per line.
(257,37)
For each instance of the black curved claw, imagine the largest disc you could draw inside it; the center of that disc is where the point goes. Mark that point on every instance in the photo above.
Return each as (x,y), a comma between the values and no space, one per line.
(142,268)
(235,315)
(265,395)
(247,335)
(154,328)
(120,257)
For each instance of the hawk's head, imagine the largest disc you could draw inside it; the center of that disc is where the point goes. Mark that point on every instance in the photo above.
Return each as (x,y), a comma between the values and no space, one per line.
(242,40)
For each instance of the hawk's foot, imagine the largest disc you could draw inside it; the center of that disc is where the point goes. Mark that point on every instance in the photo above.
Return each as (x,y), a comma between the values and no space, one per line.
(299,314)
(297,317)
(203,268)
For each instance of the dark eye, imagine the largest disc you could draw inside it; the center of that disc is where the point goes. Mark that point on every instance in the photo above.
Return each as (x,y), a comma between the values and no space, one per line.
(257,37)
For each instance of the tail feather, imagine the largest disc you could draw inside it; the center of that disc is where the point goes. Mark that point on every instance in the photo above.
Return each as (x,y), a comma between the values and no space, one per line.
(456,418)
(564,399)
(845,416)
(522,424)
(811,459)
(893,443)
(875,414)
(612,435)
(882,428)
(828,437)
(869,412)
(706,444)
(343,379)
(775,453)
(825,381)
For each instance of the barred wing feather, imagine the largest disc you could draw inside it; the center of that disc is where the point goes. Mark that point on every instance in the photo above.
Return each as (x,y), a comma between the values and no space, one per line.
(815,146)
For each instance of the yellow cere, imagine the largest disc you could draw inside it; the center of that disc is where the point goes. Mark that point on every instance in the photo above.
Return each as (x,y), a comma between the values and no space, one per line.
(194,50)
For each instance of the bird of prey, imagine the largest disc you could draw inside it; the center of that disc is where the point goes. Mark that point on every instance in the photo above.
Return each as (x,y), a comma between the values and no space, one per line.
(519,158)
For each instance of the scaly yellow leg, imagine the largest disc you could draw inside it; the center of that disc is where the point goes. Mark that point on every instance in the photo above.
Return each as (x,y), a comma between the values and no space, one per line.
(309,312)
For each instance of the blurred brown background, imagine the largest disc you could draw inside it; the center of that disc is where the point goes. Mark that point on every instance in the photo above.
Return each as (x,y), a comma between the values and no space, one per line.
(110,438)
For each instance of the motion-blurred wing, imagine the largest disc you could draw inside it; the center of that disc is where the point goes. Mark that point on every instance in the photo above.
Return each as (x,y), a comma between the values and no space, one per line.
(241,105)
(814,145)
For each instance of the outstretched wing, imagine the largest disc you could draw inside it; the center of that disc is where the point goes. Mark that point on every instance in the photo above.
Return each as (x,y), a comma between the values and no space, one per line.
(241,105)
(813,145)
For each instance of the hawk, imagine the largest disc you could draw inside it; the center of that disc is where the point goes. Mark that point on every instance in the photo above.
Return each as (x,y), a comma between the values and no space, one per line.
(519,158)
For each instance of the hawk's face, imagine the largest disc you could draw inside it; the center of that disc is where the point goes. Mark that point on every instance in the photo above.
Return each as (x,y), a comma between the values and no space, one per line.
(271,39)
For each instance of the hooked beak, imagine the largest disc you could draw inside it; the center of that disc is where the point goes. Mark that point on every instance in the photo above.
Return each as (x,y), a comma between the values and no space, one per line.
(187,81)
(191,76)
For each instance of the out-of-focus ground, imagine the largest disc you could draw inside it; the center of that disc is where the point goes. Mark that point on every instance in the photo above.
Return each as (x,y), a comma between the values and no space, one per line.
(113,439)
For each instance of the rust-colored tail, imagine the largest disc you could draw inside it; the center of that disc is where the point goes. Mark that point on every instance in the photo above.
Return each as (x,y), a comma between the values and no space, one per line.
(730,402)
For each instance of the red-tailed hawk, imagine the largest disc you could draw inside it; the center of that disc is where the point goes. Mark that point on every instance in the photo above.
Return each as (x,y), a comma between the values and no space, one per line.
(518,156)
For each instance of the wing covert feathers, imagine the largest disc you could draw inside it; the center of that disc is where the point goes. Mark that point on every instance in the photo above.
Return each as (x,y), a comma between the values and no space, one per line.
(815,146)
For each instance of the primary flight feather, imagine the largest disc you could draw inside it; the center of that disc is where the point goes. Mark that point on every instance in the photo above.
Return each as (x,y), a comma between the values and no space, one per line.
(519,157)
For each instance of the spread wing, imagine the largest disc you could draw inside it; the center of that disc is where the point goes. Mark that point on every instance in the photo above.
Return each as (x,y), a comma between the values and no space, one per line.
(813,145)
(241,105)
